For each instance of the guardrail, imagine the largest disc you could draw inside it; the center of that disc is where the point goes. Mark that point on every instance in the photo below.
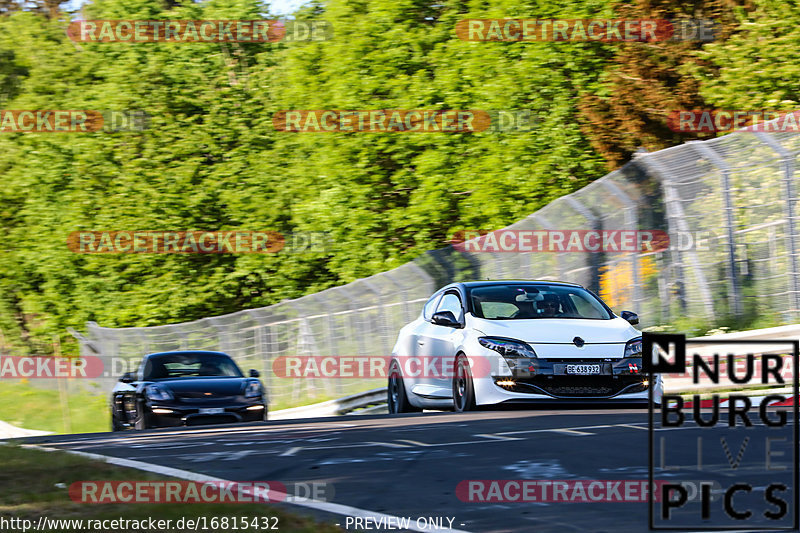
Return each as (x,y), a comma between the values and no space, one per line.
(370,401)
(790,332)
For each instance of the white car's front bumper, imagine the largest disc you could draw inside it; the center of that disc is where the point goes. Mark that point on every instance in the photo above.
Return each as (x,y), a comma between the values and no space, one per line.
(489,392)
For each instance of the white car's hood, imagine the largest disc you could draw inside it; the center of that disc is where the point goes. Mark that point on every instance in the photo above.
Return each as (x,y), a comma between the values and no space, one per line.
(558,330)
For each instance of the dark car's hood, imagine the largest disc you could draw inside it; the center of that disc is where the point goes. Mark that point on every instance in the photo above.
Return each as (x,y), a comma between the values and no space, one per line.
(215,386)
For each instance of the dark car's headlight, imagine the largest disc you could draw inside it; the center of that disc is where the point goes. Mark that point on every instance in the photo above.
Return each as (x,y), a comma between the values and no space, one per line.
(157,392)
(253,389)
(634,348)
(508,348)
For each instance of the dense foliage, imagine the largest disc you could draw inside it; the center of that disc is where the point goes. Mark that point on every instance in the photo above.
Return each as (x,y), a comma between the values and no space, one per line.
(211,159)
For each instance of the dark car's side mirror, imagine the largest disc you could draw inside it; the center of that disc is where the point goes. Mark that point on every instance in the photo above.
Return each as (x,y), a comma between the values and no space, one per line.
(630,316)
(254,373)
(127,377)
(445,318)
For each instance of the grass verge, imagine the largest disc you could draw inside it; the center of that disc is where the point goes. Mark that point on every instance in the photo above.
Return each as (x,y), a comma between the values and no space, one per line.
(31,407)
(33,483)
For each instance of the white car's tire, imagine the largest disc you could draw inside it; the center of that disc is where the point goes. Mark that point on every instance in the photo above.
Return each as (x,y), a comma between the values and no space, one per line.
(463,386)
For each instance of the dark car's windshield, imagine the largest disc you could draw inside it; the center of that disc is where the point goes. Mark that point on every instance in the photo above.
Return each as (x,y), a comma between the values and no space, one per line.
(190,364)
(526,301)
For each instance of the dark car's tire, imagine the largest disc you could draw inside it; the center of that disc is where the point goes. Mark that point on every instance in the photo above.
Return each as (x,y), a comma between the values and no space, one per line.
(396,397)
(463,386)
(143,419)
(115,425)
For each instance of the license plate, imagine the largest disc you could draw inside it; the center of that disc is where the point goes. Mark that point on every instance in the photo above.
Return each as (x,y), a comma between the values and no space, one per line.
(583,369)
(212,410)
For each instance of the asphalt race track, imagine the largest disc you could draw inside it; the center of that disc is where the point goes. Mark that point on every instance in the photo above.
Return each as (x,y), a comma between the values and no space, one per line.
(409,466)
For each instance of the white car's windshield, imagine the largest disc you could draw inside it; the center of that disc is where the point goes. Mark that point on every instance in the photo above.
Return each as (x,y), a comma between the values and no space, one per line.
(527,301)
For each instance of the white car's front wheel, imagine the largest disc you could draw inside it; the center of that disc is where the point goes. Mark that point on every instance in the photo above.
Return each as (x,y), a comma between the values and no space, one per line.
(463,386)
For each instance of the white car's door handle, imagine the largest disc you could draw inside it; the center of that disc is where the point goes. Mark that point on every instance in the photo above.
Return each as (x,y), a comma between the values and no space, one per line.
(421,343)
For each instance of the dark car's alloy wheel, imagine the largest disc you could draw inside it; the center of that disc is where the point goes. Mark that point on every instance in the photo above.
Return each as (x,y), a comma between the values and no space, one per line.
(142,418)
(396,393)
(463,387)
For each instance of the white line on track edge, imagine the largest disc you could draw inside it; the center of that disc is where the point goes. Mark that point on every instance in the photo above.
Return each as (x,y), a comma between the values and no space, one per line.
(335,508)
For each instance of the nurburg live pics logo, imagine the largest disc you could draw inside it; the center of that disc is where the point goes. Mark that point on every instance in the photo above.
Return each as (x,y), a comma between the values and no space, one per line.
(748,460)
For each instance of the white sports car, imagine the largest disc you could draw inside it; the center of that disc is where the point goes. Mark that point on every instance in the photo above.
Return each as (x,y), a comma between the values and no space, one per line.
(495,342)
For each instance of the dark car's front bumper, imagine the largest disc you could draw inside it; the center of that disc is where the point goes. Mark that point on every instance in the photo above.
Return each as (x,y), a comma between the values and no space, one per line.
(174,414)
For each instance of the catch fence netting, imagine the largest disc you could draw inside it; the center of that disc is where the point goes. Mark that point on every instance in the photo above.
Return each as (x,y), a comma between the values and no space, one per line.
(727,204)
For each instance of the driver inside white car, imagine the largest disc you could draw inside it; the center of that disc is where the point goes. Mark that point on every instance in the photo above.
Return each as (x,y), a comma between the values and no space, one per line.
(548,308)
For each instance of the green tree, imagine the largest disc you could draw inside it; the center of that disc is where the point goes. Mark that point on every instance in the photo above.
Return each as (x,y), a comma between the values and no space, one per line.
(754,68)
(645,81)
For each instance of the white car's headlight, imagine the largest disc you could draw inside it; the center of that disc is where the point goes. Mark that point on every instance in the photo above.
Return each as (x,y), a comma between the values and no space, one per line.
(634,348)
(158,392)
(252,389)
(508,348)
(517,355)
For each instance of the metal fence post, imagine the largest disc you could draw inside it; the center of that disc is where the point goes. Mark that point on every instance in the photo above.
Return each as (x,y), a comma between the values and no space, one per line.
(594,223)
(677,222)
(632,220)
(788,188)
(425,277)
(725,169)
(531,271)
(258,336)
(383,327)
(333,344)
(351,319)
(543,222)
(403,292)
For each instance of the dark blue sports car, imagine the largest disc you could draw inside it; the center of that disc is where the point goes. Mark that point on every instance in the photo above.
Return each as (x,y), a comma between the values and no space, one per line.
(186,388)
